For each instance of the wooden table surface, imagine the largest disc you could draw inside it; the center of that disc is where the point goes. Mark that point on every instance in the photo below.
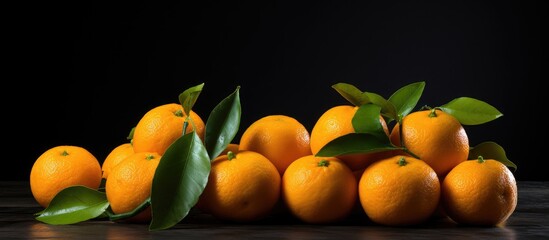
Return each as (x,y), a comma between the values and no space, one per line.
(529,221)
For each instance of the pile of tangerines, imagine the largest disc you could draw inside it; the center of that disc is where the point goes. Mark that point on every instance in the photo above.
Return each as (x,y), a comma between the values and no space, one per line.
(426,169)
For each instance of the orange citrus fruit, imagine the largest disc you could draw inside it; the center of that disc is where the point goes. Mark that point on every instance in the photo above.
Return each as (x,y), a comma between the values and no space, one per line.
(280,138)
(479,192)
(162,125)
(61,167)
(336,122)
(399,191)
(319,189)
(116,156)
(231,147)
(129,184)
(241,187)
(435,137)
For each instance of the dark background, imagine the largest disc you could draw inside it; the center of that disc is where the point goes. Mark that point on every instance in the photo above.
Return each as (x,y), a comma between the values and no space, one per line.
(83,73)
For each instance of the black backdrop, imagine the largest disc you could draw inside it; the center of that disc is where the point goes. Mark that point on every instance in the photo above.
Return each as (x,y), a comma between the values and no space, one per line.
(83,73)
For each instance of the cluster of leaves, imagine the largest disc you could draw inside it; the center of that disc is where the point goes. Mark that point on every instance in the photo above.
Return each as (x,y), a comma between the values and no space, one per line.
(179,180)
(370,137)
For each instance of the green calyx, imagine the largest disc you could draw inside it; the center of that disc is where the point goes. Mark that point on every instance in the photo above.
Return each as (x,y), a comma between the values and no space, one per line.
(179,113)
(480,159)
(231,155)
(323,163)
(433,113)
(402,161)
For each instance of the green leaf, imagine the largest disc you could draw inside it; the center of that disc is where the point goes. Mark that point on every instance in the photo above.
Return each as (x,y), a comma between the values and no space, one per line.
(470,111)
(351,93)
(179,180)
(135,211)
(188,98)
(355,143)
(491,150)
(387,108)
(222,124)
(406,98)
(366,120)
(74,204)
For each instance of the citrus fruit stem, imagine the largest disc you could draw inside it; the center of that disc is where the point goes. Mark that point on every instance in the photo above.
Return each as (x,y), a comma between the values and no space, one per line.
(323,163)
(400,131)
(130,135)
(433,113)
(404,148)
(64,153)
(480,159)
(410,152)
(189,119)
(185,125)
(402,161)
(231,155)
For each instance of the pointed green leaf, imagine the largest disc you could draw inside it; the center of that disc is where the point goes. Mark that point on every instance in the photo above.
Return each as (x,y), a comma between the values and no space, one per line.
(179,180)
(491,150)
(351,93)
(73,205)
(222,124)
(355,143)
(366,120)
(406,98)
(387,108)
(470,111)
(188,98)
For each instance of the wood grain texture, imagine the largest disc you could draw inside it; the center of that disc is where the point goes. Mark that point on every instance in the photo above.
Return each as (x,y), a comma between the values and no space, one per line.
(529,221)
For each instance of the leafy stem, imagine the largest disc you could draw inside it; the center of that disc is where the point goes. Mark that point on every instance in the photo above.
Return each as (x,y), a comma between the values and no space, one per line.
(401,138)
(186,123)
(406,150)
